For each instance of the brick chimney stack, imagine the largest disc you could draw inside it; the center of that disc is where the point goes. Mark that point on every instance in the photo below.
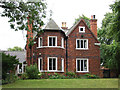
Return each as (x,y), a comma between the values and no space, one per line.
(30,35)
(64,25)
(93,25)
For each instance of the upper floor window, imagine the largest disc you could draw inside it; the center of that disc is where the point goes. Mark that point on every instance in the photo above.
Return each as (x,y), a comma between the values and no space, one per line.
(81,29)
(40,42)
(62,42)
(81,43)
(52,41)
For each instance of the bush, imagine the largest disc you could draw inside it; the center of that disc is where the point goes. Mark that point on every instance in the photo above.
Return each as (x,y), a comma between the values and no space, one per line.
(71,74)
(32,71)
(24,76)
(10,78)
(119,76)
(91,76)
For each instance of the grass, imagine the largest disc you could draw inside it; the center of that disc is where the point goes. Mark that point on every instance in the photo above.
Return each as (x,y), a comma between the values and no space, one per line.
(64,83)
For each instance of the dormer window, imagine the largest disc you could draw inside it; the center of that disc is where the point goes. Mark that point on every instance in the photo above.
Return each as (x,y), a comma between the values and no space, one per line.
(81,29)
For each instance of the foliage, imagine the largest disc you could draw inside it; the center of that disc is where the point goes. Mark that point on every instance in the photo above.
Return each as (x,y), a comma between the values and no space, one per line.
(24,76)
(32,71)
(91,76)
(71,74)
(17,12)
(83,17)
(8,64)
(109,36)
(10,78)
(16,48)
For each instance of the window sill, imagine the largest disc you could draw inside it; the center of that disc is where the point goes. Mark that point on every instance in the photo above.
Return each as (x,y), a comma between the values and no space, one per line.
(81,31)
(50,71)
(82,71)
(82,49)
(51,47)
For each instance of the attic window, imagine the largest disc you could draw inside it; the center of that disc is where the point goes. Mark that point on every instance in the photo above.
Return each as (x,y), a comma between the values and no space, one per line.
(81,29)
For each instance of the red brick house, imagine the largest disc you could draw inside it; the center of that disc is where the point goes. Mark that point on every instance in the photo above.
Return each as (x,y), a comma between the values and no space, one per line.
(66,50)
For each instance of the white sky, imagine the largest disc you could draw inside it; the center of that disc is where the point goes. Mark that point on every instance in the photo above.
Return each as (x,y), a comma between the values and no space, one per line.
(63,10)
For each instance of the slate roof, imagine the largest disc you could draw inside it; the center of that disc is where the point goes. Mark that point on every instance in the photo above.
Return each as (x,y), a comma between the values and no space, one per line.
(21,55)
(52,25)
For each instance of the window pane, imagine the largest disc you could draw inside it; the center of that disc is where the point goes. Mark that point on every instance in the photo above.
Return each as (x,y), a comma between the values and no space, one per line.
(54,41)
(78,65)
(50,41)
(78,44)
(85,65)
(50,64)
(81,43)
(81,65)
(81,29)
(85,43)
(40,41)
(40,64)
(54,64)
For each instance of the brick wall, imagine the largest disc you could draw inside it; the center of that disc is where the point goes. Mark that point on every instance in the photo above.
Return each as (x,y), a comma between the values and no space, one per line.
(93,52)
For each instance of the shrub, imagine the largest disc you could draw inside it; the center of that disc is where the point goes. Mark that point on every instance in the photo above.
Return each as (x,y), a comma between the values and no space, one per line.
(32,71)
(24,76)
(91,76)
(10,78)
(119,76)
(71,74)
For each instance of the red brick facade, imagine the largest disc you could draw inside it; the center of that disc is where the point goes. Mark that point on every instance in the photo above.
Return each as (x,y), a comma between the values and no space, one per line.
(69,53)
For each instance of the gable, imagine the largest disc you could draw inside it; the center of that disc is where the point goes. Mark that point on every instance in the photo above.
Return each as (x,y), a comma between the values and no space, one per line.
(81,23)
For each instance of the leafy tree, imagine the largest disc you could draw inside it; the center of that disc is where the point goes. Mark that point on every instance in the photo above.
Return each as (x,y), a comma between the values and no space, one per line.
(19,13)
(83,17)
(16,48)
(8,64)
(109,36)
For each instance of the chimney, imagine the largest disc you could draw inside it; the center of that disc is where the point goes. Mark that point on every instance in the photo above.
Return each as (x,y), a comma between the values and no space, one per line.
(29,50)
(64,25)
(93,25)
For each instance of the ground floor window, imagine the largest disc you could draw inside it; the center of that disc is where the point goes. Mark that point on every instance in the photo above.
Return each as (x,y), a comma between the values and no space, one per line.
(52,63)
(81,65)
(40,64)
(62,64)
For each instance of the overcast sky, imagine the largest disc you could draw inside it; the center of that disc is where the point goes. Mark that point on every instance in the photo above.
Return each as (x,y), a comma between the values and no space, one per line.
(63,10)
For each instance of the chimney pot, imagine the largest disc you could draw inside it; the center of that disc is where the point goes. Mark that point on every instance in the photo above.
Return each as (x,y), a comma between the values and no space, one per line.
(64,25)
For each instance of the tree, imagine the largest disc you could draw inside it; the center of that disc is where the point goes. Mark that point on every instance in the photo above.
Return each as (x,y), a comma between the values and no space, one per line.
(83,17)
(109,36)
(8,64)
(15,48)
(19,13)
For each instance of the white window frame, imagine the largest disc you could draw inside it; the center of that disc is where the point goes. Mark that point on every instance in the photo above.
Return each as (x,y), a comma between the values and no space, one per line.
(55,41)
(40,58)
(40,41)
(62,42)
(83,29)
(62,62)
(52,64)
(83,64)
(83,44)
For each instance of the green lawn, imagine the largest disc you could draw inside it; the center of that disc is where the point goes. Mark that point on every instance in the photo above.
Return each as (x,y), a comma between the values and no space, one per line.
(64,83)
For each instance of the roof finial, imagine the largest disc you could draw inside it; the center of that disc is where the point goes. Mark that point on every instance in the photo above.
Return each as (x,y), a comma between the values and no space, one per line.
(51,12)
